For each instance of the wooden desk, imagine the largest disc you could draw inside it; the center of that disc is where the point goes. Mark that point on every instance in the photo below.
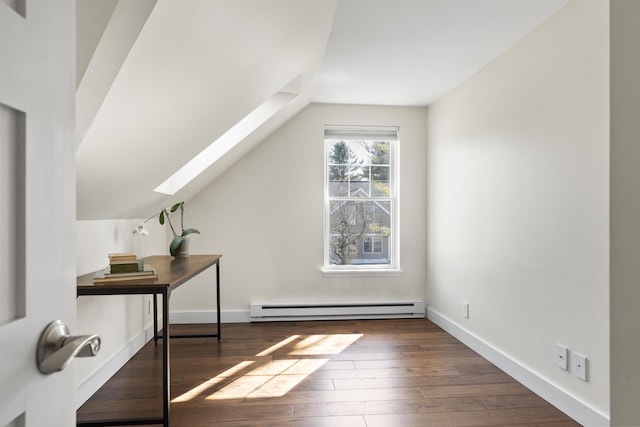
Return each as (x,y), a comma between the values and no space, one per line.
(171,274)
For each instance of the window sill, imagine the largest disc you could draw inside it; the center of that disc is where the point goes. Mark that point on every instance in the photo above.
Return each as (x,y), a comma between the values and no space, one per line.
(371,272)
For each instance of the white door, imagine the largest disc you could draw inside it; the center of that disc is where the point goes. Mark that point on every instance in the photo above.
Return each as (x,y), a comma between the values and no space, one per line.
(37,205)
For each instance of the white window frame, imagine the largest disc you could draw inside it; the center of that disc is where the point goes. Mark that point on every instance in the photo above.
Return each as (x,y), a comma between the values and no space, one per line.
(380,133)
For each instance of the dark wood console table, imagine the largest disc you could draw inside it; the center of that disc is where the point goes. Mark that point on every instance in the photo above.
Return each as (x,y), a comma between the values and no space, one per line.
(171,274)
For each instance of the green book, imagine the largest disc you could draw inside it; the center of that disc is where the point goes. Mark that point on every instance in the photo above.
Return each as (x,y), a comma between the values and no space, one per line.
(127,266)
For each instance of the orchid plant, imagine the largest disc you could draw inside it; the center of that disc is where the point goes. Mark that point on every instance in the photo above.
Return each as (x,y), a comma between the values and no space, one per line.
(164,216)
(177,238)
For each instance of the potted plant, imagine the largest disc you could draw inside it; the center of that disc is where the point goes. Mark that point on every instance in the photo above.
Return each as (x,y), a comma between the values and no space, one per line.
(179,246)
(176,248)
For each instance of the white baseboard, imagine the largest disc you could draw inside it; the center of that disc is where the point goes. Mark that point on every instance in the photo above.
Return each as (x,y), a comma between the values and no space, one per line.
(90,385)
(568,404)
(226,316)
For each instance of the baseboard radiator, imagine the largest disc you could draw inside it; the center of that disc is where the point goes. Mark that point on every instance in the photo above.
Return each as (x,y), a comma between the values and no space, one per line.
(337,311)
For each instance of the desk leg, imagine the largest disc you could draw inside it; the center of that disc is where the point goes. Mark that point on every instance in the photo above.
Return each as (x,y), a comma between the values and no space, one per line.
(218,296)
(155,317)
(166,375)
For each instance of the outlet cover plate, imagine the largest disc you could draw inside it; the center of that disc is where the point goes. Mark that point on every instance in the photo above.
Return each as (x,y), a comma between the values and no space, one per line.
(580,366)
(561,356)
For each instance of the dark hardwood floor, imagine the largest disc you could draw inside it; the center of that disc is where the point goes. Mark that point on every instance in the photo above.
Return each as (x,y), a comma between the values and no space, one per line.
(340,373)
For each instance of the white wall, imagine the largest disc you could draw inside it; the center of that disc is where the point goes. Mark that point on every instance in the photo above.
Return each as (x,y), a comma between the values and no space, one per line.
(625,211)
(119,320)
(265,215)
(518,201)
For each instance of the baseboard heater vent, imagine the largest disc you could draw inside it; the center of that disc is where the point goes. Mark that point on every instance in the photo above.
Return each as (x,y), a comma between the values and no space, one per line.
(337,311)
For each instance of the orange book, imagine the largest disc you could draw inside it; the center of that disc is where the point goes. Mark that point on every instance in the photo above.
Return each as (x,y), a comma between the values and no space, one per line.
(123,256)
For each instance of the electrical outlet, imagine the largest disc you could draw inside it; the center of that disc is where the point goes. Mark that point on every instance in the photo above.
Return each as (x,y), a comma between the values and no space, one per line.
(561,356)
(465,309)
(580,366)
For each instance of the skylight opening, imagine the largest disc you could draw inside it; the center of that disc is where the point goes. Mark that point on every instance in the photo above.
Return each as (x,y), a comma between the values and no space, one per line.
(226,142)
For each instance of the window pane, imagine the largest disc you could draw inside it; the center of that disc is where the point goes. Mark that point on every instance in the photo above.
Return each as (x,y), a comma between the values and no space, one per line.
(338,184)
(347,226)
(360,154)
(337,153)
(347,153)
(359,173)
(359,232)
(380,222)
(338,173)
(380,153)
(380,173)
(360,185)
(381,189)
(381,169)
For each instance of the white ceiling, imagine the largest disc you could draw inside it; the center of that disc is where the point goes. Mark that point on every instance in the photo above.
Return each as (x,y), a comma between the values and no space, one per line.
(411,52)
(168,77)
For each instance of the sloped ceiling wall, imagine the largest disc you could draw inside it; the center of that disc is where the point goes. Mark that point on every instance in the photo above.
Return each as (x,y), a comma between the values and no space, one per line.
(182,74)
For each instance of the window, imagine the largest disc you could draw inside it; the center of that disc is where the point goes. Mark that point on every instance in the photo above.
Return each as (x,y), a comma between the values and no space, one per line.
(369,213)
(372,245)
(361,193)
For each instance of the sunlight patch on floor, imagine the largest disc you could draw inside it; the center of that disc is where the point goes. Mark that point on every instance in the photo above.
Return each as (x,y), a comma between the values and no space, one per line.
(324,344)
(278,386)
(282,378)
(198,390)
(265,377)
(278,346)
(240,387)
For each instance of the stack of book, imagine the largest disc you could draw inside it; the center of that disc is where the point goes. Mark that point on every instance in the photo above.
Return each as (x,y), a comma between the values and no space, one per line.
(125,267)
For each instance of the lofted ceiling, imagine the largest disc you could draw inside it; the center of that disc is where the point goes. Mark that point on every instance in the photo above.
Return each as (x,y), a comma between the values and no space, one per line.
(161,80)
(411,52)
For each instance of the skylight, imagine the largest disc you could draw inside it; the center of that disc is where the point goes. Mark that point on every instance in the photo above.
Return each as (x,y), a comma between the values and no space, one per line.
(226,142)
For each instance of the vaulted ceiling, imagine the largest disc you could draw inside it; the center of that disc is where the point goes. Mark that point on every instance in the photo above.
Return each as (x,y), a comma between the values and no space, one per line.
(161,80)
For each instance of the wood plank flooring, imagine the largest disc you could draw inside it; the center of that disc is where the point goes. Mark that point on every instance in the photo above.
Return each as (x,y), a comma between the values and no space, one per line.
(364,373)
